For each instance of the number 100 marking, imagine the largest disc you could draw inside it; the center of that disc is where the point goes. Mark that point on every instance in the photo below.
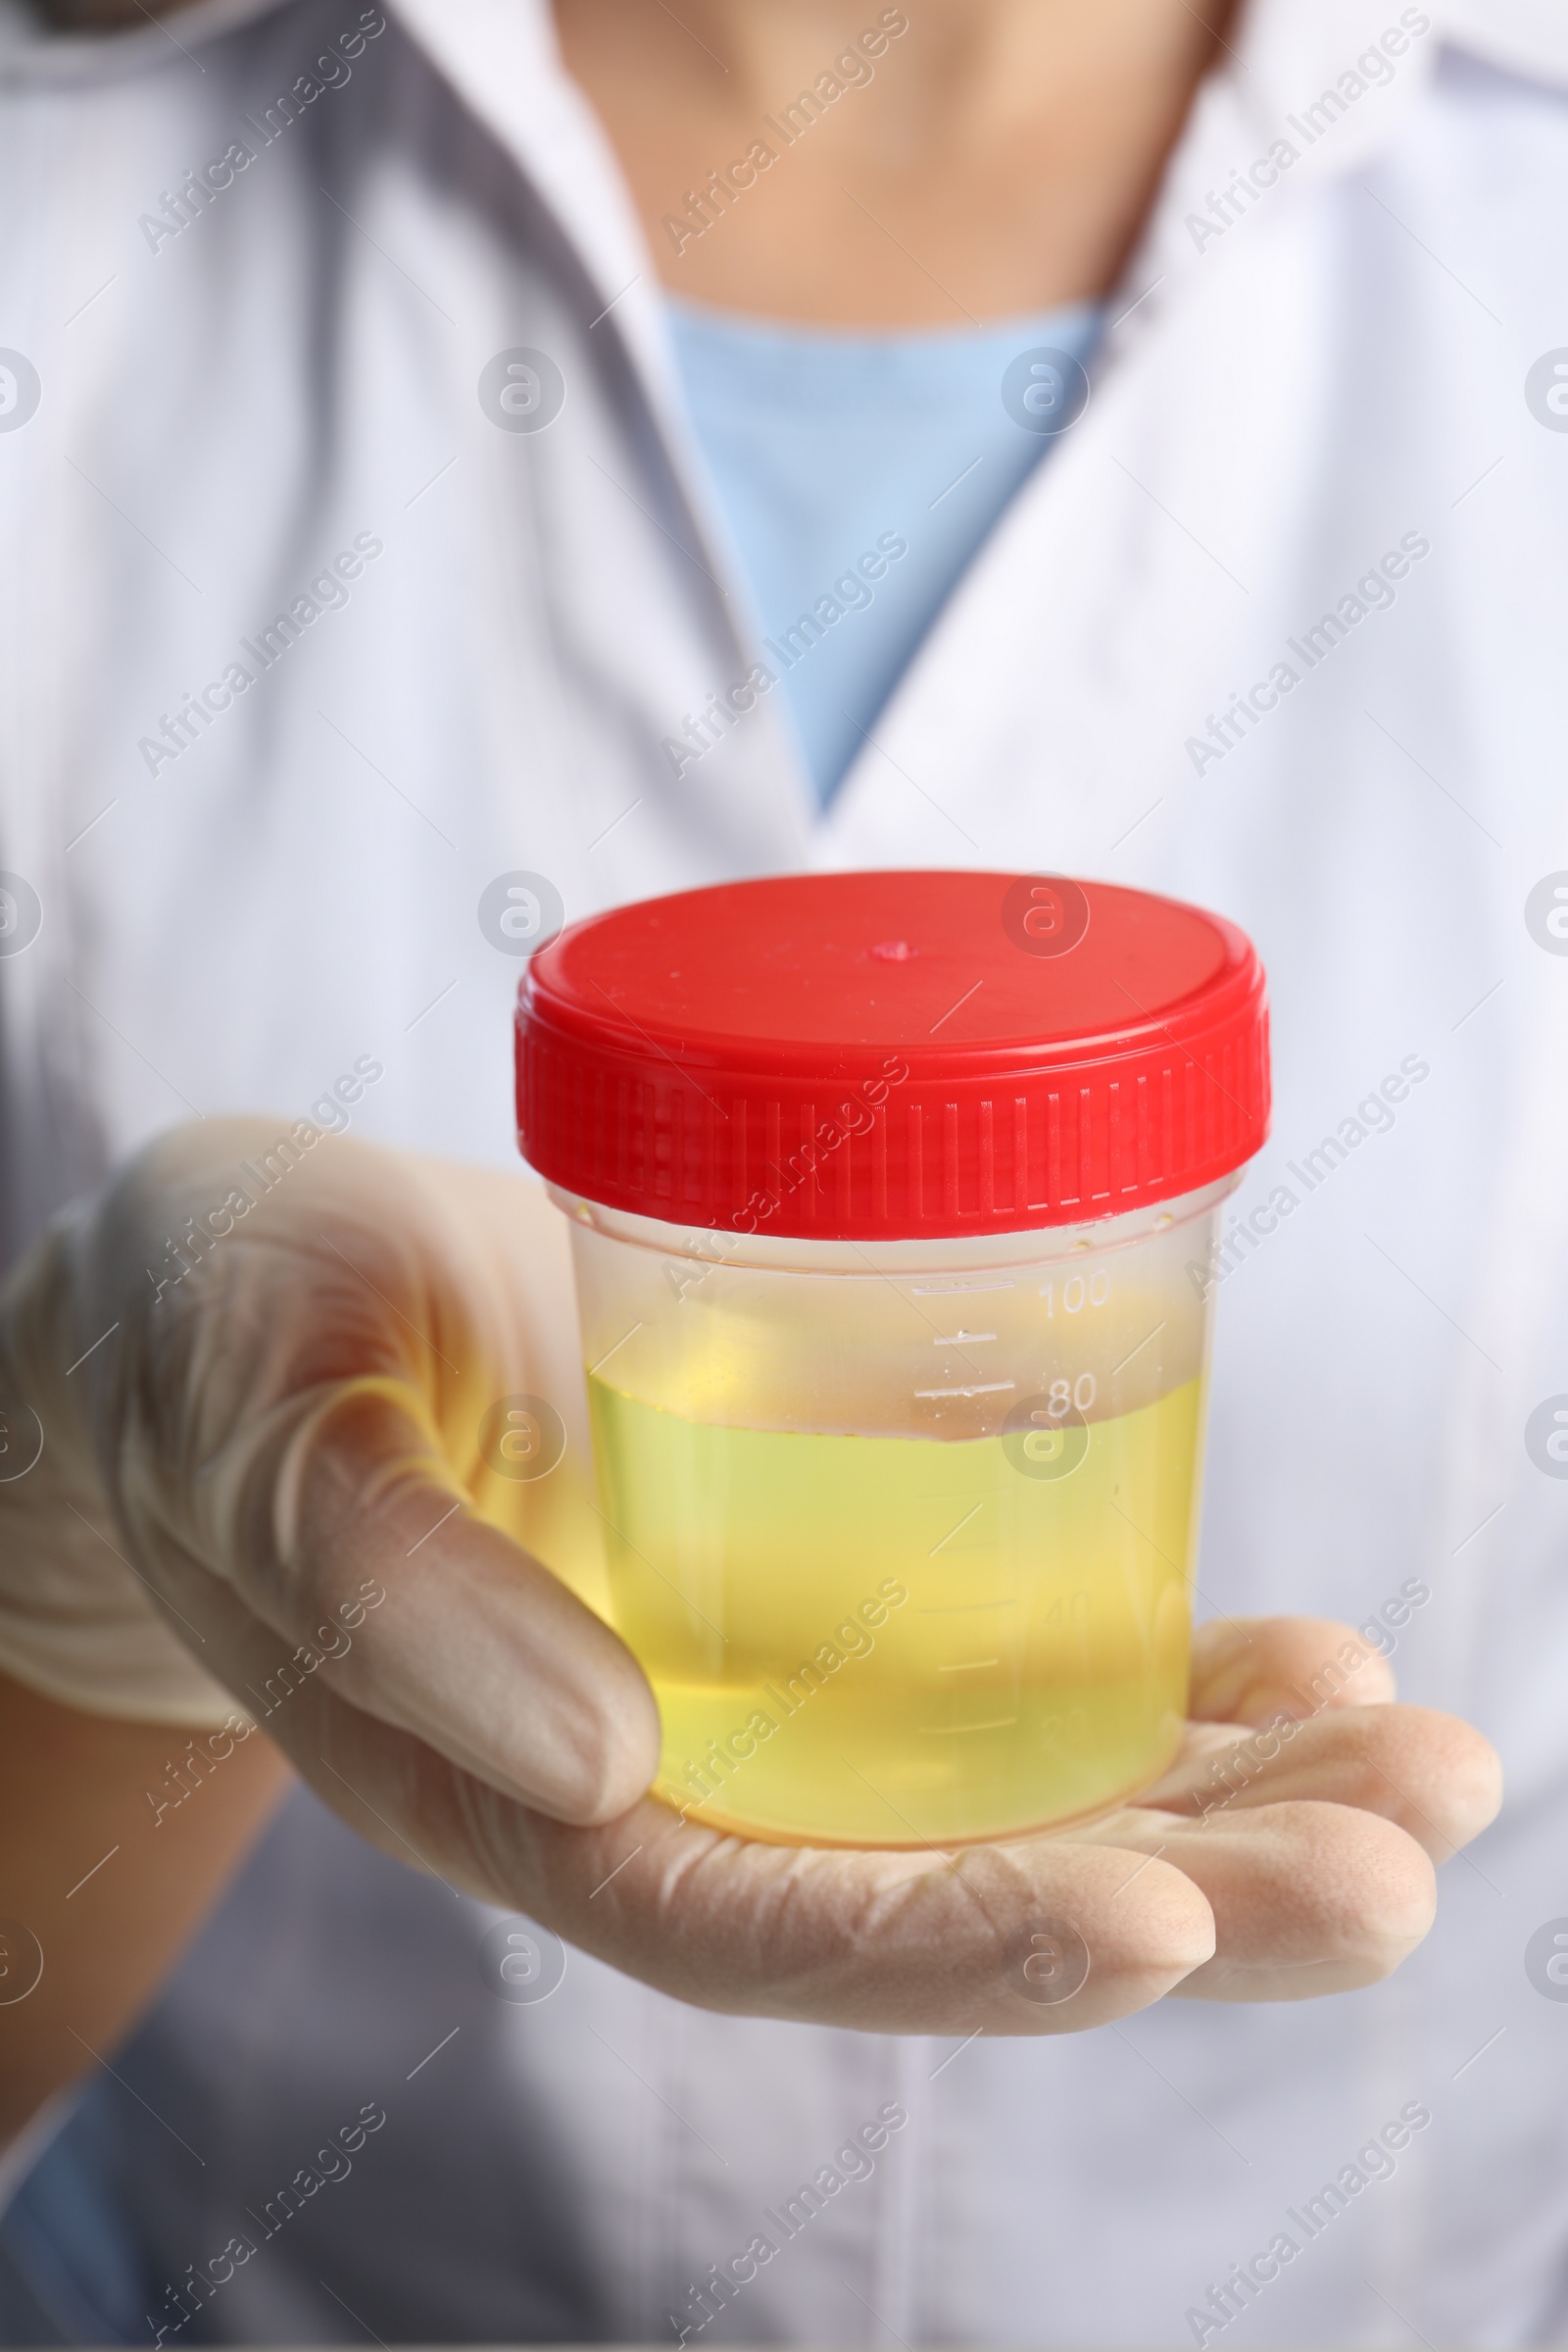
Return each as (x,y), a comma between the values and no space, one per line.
(1076,1293)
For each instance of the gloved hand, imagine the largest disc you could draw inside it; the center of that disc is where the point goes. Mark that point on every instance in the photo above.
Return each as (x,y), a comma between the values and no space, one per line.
(289,1429)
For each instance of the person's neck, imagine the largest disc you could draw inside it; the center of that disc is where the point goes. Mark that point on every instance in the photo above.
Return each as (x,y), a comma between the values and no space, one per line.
(992,158)
(972,68)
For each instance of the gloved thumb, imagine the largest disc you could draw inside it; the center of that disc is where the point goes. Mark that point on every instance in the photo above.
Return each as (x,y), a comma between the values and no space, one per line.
(473,1645)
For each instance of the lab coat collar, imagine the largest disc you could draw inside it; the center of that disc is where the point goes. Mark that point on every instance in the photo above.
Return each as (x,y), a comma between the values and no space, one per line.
(503,58)
(1303,95)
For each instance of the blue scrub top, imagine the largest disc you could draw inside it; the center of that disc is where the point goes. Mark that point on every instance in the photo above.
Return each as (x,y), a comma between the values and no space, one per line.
(858,474)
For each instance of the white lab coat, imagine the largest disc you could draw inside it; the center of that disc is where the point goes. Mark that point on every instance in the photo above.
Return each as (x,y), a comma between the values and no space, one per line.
(1284,399)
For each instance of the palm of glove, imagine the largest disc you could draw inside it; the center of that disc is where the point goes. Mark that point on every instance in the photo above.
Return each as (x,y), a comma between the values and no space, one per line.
(284,1442)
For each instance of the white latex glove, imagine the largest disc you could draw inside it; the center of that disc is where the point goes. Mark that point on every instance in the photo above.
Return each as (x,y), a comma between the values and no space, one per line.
(293,1427)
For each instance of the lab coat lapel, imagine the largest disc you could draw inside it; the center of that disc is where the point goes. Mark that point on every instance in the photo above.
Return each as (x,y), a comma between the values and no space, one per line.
(1135,582)
(1044,641)
(502,57)
(1123,592)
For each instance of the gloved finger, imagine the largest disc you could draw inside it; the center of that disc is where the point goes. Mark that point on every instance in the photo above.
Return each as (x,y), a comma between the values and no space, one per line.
(1045,1937)
(1436,1776)
(432,1620)
(1251,1669)
(1307,1899)
(1040,1939)
(479,1652)
(273,1420)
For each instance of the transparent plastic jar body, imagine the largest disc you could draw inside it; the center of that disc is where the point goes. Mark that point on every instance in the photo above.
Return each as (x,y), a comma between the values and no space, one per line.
(901,1532)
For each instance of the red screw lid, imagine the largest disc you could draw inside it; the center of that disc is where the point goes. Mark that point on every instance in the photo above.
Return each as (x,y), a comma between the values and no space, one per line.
(893,1055)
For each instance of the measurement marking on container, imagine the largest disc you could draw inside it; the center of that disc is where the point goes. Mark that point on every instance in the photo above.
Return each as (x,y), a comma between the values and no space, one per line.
(955,1531)
(988,1388)
(938,1730)
(1096,1291)
(969,1666)
(961,1338)
(945,1290)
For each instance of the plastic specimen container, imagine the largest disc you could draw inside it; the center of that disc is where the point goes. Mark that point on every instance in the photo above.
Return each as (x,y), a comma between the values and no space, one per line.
(892,1199)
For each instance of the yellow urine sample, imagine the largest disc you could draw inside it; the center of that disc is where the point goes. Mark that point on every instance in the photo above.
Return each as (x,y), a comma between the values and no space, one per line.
(895,1641)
